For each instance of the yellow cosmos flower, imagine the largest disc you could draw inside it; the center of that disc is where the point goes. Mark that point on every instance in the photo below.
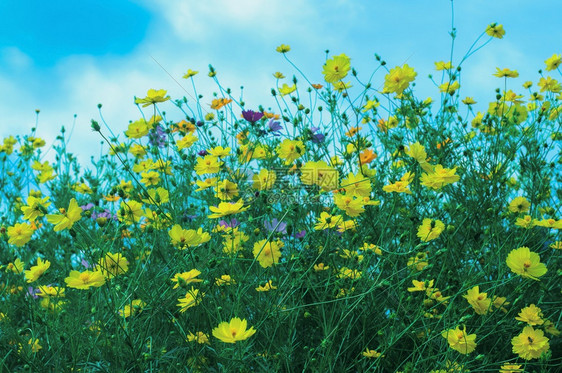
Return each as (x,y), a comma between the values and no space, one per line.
(153,96)
(459,340)
(286,89)
(526,263)
(519,205)
(479,301)
(532,315)
(227,208)
(506,73)
(398,79)
(495,30)
(182,279)
(336,68)
(553,62)
(191,299)
(132,308)
(19,234)
(37,270)
(233,331)
(530,343)
(266,287)
(67,218)
(112,265)
(267,253)
(430,229)
(84,280)
(290,150)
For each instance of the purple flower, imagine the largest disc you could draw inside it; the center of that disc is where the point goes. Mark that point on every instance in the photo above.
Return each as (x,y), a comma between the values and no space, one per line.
(300,234)
(32,292)
(105,214)
(85,263)
(275,226)
(157,137)
(202,153)
(233,223)
(87,206)
(252,116)
(274,126)
(317,138)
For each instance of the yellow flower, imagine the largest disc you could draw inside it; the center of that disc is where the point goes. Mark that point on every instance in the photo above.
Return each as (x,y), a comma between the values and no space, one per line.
(219,103)
(525,222)
(137,129)
(549,223)
(132,308)
(130,212)
(479,301)
(208,164)
(557,245)
(227,208)
(352,205)
(549,85)
(441,65)
(511,368)
(264,180)
(459,340)
(400,186)
(398,79)
(421,285)
(51,291)
(285,89)
(449,87)
(190,73)
(198,337)
(182,238)
(267,253)
(192,298)
(152,97)
(290,150)
(19,234)
(430,229)
(112,265)
(468,101)
(67,218)
(226,190)
(321,174)
(519,205)
(439,177)
(530,343)
(233,331)
(353,274)
(278,75)
(186,141)
(326,221)
(182,279)
(321,267)
(37,270)
(150,178)
(371,354)
(553,62)
(416,151)
(266,287)
(495,30)
(418,262)
(224,280)
(506,73)
(283,48)
(526,263)
(532,315)
(35,208)
(84,280)
(16,267)
(356,185)
(336,68)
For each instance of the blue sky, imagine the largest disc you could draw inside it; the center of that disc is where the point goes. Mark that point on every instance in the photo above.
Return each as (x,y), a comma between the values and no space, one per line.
(65,57)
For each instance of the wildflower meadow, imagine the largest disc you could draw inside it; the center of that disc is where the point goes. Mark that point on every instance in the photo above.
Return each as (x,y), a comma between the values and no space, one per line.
(350,227)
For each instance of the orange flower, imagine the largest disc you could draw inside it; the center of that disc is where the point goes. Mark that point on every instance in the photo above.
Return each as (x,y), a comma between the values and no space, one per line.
(219,103)
(183,127)
(270,115)
(353,130)
(317,86)
(367,156)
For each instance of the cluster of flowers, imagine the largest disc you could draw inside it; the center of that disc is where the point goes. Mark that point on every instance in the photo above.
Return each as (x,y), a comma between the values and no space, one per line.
(187,201)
